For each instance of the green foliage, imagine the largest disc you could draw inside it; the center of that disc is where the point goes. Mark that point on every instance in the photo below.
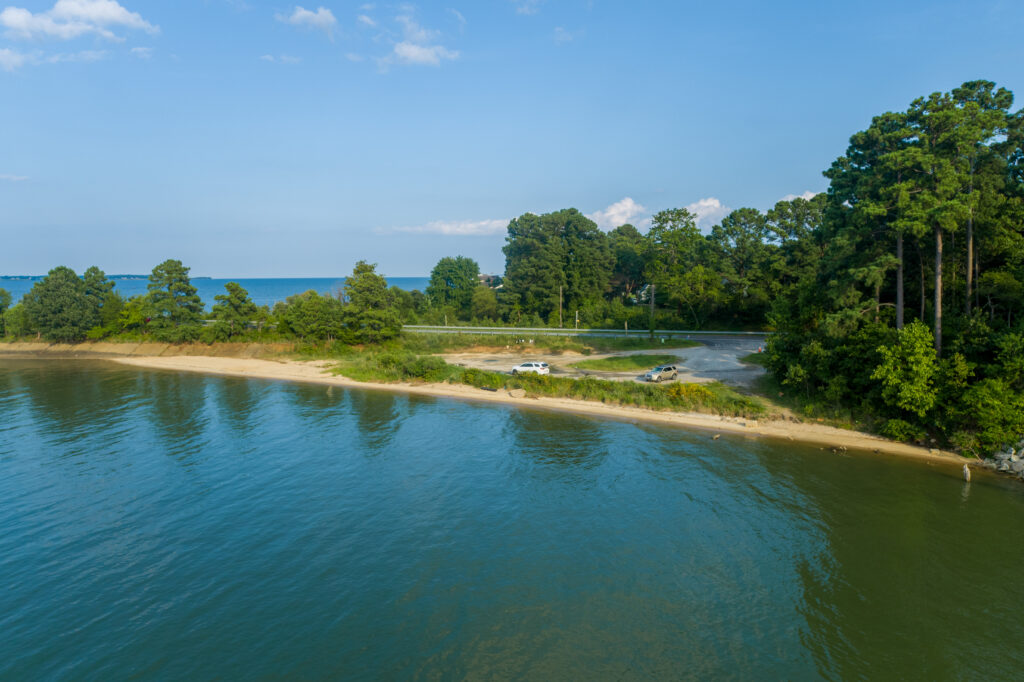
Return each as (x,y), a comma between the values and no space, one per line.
(15,321)
(563,251)
(452,283)
(173,305)
(312,316)
(60,307)
(370,314)
(233,310)
(927,201)
(484,305)
(5,303)
(907,371)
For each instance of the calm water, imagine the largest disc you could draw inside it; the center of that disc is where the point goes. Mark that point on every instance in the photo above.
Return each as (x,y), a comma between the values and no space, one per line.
(263,291)
(157,525)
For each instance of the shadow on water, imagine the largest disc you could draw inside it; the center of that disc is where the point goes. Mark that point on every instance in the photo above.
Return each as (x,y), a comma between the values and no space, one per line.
(552,440)
(910,563)
(378,417)
(69,399)
(238,401)
(178,410)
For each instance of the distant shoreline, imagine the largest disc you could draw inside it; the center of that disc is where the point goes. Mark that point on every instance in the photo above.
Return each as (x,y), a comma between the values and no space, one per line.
(244,360)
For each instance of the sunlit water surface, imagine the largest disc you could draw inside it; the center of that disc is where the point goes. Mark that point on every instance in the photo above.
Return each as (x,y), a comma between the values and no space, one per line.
(161,525)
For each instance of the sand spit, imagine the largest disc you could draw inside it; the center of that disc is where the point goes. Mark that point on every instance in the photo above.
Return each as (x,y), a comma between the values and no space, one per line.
(827,437)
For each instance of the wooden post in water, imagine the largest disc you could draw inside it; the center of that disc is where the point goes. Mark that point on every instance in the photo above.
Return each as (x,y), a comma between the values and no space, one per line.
(967,473)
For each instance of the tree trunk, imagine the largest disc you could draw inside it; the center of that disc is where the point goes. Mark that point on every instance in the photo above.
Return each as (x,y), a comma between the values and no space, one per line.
(970,261)
(920,257)
(899,282)
(938,291)
(878,300)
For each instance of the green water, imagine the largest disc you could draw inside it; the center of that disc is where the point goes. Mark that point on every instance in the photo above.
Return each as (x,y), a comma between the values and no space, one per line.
(166,526)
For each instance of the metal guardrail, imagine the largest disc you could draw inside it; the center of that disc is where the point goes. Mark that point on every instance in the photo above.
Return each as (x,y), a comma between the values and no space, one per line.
(550,331)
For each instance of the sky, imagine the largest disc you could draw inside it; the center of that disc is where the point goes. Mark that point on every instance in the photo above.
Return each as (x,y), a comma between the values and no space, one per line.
(251,138)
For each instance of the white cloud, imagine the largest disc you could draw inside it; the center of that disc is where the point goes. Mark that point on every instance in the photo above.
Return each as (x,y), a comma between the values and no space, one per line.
(83,56)
(458,17)
(7,177)
(69,19)
(708,211)
(142,52)
(366,21)
(322,19)
(621,212)
(808,195)
(431,55)
(459,228)
(414,33)
(527,6)
(282,59)
(563,36)
(11,59)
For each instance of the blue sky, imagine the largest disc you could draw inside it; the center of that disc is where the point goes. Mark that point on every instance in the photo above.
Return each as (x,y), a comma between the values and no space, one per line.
(254,138)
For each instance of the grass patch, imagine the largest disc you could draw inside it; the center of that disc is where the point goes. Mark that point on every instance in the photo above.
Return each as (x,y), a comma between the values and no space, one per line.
(390,366)
(756,359)
(626,363)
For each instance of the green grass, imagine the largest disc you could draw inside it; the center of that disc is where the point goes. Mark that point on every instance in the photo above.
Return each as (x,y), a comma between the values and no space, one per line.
(626,363)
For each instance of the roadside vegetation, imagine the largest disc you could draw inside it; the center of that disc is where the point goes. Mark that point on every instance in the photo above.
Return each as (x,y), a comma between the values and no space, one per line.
(895,299)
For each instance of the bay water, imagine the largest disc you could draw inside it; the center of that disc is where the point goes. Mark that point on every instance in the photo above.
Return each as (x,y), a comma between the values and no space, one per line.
(156,525)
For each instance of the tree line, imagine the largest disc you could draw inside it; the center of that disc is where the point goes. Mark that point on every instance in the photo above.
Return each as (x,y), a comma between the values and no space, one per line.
(64,307)
(909,312)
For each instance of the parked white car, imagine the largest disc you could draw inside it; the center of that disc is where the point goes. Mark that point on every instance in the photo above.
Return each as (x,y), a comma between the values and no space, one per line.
(531,368)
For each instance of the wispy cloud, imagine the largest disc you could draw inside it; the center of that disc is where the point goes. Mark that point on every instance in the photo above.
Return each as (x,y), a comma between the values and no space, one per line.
(322,19)
(808,195)
(11,59)
(562,36)
(280,59)
(621,212)
(7,177)
(527,6)
(69,19)
(418,46)
(708,211)
(458,17)
(142,52)
(366,20)
(459,228)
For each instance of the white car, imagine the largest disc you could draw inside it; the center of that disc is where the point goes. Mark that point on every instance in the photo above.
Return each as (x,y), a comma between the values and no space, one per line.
(531,368)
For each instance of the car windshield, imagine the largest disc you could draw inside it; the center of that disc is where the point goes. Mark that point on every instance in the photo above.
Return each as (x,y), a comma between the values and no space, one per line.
(660,369)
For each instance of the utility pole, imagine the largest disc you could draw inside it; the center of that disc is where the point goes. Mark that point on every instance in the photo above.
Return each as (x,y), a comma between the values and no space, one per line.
(577,319)
(652,310)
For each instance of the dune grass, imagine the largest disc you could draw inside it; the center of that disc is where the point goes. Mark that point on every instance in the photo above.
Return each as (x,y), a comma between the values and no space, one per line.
(626,363)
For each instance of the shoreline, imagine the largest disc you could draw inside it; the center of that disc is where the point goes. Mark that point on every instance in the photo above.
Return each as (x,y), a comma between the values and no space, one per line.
(314,372)
(244,361)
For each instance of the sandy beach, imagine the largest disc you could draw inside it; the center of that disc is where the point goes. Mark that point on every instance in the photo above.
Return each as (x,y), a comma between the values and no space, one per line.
(315,372)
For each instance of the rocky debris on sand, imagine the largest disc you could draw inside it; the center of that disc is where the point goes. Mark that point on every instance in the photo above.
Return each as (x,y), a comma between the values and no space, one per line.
(1009,461)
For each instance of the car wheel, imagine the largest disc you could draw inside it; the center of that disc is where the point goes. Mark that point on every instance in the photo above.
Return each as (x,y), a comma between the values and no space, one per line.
(515,372)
